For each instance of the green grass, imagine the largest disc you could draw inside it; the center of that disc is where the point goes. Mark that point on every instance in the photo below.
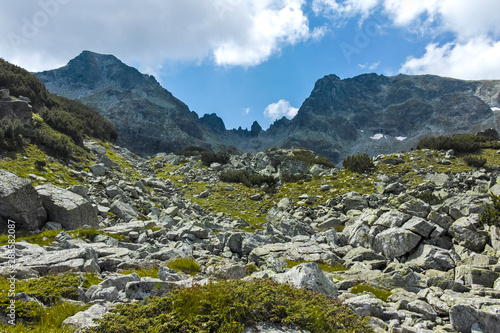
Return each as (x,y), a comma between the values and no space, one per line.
(230,306)
(144,272)
(379,293)
(49,290)
(185,265)
(324,267)
(46,237)
(27,161)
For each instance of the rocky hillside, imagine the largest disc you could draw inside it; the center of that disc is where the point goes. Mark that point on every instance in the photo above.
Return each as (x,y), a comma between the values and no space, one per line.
(402,244)
(368,113)
(148,118)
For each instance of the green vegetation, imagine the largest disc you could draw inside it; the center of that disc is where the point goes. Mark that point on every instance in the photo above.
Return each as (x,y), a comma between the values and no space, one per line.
(379,293)
(475,161)
(360,163)
(208,157)
(185,265)
(49,290)
(311,159)
(461,143)
(324,267)
(230,306)
(144,272)
(247,179)
(60,123)
(491,214)
(430,198)
(46,237)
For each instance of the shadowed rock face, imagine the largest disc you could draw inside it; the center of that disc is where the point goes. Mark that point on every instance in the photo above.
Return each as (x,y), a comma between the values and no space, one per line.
(340,117)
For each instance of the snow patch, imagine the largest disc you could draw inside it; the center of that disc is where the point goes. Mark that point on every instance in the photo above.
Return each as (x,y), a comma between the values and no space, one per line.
(495,109)
(401,138)
(377,136)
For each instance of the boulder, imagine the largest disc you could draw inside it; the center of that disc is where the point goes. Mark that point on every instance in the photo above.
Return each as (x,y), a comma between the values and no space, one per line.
(431,257)
(20,202)
(309,276)
(464,317)
(228,271)
(354,200)
(419,226)
(415,207)
(85,319)
(465,233)
(70,209)
(147,287)
(395,242)
(392,218)
(123,211)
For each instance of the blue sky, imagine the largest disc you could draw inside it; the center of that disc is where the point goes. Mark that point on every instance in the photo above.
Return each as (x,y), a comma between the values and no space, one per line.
(258,60)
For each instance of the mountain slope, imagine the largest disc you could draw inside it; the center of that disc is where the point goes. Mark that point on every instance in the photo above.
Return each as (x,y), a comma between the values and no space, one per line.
(148,118)
(379,114)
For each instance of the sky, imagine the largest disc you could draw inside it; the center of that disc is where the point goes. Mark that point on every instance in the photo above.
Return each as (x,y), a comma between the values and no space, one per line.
(257,60)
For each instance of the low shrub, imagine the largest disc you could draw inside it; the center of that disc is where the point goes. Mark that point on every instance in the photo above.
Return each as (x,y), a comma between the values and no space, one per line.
(475,161)
(310,158)
(462,143)
(359,163)
(491,214)
(208,157)
(11,133)
(379,293)
(247,179)
(230,306)
(185,265)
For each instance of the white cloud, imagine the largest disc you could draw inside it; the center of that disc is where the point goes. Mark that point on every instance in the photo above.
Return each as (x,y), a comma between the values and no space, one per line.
(41,34)
(371,67)
(476,59)
(279,109)
(246,110)
(474,28)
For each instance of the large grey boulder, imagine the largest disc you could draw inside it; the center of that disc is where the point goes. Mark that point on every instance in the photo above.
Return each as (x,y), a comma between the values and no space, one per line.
(395,242)
(123,211)
(20,202)
(85,319)
(392,218)
(431,257)
(70,209)
(354,200)
(463,317)
(465,233)
(415,207)
(287,224)
(310,276)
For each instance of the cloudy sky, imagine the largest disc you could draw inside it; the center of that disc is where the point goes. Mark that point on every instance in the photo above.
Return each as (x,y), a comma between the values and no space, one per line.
(257,60)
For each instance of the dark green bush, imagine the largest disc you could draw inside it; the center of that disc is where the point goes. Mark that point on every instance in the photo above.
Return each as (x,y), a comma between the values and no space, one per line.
(190,151)
(430,198)
(359,163)
(310,158)
(230,306)
(461,143)
(208,157)
(57,145)
(247,179)
(11,133)
(475,161)
(491,214)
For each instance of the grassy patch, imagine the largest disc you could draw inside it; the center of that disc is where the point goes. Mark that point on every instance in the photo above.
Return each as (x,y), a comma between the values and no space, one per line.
(31,160)
(144,272)
(46,237)
(379,293)
(324,267)
(230,306)
(49,290)
(185,265)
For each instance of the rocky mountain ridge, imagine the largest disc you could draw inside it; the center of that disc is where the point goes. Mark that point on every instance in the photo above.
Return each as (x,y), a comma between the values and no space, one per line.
(368,113)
